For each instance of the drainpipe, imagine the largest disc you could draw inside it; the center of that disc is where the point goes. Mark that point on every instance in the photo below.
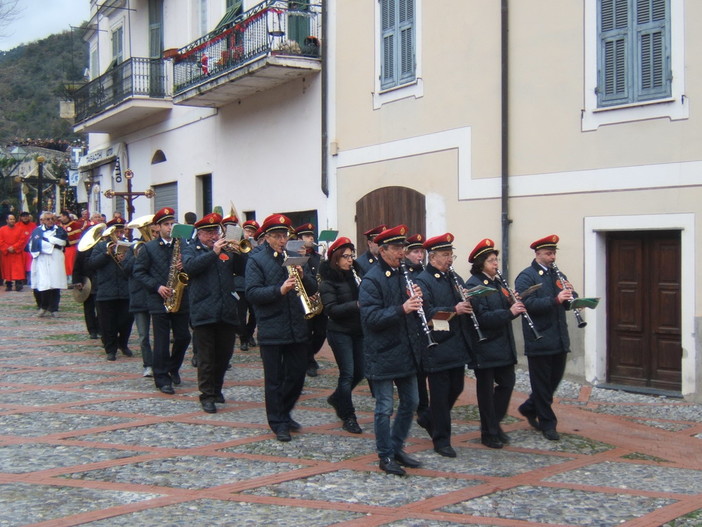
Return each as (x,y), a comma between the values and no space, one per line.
(325,83)
(504,34)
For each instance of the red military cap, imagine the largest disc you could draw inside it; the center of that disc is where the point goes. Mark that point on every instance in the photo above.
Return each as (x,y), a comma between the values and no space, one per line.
(251,224)
(440,243)
(117,222)
(372,233)
(343,241)
(211,221)
(396,235)
(484,246)
(230,220)
(258,234)
(414,242)
(547,242)
(305,228)
(276,222)
(166,213)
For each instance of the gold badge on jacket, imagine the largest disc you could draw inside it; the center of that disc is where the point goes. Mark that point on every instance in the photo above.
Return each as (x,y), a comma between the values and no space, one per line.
(388,274)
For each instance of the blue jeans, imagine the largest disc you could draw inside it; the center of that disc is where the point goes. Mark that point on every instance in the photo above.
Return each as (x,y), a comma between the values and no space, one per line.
(390,441)
(348,352)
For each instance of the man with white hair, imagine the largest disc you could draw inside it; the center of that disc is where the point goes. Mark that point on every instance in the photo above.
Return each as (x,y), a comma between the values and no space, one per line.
(48,267)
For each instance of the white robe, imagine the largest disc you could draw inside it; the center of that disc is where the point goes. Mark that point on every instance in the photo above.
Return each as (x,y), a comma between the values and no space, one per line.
(48,267)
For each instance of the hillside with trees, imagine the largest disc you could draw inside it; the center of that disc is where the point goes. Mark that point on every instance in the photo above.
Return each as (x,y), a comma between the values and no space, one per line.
(33,79)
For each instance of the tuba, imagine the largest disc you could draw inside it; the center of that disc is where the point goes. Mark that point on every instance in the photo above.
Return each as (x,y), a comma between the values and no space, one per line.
(142,224)
(311,305)
(91,237)
(177,280)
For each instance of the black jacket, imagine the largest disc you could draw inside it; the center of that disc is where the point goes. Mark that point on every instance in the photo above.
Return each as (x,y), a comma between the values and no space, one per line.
(137,292)
(548,315)
(211,284)
(340,299)
(495,320)
(151,269)
(366,260)
(280,319)
(391,345)
(439,294)
(81,270)
(110,277)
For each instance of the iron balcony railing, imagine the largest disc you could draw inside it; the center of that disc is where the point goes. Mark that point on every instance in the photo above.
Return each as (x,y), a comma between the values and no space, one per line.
(133,77)
(273,27)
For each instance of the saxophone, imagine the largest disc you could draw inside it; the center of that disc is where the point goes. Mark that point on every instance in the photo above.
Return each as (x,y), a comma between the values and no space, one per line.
(311,305)
(177,281)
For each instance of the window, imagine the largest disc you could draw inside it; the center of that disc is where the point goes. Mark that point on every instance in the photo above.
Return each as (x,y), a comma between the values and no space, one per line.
(118,45)
(397,49)
(634,51)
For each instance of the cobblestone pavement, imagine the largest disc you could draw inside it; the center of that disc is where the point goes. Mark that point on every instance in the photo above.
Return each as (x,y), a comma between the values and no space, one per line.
(88,442)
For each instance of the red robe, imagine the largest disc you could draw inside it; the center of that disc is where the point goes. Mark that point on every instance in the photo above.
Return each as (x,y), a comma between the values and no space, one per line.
(28,228)
(74,230)
(12,262)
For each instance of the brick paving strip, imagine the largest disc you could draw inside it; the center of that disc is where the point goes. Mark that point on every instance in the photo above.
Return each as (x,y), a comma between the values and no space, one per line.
(88,442)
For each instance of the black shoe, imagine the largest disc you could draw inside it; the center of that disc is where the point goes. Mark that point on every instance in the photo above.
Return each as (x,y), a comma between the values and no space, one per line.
(294,426)
(491,441)
(404,459)
(283,435)
(167,388)
(312,371)
(390,466)
(551,434)
(332,403)
(94,336)
(504,438)
(111,356)
(244,346)
(252,342)
(8,287)
(530,417)
(446,451)
(229,366)
(193,361)
(208,406)
(127,352)
(175,377)
(220,399)
(351,426)
(19,287)
(424,422)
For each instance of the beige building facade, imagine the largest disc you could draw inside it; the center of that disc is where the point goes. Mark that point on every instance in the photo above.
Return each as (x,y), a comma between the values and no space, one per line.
(588,133)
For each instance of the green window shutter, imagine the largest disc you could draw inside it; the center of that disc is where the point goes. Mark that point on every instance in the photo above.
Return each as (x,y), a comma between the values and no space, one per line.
(298,21)
(388,78)
(614,37)
(652,21)
(406,28)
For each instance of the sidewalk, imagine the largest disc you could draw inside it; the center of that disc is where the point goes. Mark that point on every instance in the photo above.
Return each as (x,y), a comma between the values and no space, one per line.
(88,442)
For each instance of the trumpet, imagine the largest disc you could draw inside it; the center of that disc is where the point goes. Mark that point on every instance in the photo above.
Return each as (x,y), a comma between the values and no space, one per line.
(566,285)
(514,298)
(242,246)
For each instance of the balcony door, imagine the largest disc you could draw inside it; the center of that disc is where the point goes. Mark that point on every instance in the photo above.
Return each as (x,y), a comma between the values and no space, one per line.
(156,73)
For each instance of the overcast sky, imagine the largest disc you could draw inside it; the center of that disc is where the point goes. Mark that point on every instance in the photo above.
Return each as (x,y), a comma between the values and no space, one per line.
(40,18)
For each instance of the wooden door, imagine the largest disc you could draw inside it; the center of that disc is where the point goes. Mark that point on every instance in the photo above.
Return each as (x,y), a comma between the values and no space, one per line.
(391,206)
(643,309)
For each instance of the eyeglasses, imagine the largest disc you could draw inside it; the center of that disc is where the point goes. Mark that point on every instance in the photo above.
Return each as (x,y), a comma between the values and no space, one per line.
(494,259)
(349,256)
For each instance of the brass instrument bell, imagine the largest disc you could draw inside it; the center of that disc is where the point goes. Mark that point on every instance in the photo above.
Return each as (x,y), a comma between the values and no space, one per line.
(91,237)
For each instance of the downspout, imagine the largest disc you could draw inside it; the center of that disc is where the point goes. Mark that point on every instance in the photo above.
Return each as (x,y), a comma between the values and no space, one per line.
(325,83)
(504,35)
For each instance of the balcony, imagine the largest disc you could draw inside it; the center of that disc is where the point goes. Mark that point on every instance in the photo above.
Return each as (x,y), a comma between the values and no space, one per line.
(265,47)
(132,93)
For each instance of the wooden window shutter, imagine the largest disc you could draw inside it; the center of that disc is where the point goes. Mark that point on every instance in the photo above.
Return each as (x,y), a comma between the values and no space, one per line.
(388,78)
(614,36)
(406,28)
(653,49)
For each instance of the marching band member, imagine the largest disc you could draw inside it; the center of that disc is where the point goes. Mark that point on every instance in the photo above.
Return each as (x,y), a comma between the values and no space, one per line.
(282,329)
(112,295)
(154,264)
(247,317)
(493,359)
(445,363)
(341,276)
(546,356)
(370,257)
(415,254)
(210,267)
(391,348)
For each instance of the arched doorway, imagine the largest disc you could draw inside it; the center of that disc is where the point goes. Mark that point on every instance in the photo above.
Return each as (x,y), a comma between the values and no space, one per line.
(391,206)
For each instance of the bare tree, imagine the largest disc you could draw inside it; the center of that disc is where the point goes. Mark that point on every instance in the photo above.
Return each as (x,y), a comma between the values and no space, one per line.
(9,11)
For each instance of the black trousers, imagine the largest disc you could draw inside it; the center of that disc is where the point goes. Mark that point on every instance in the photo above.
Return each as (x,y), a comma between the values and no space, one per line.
(48,299)
(247,318)
(90,314)
(318,334)
(215,346)
(169,361)
(284,370)
(444,389)
(494,389)
(116,322)
(545,374)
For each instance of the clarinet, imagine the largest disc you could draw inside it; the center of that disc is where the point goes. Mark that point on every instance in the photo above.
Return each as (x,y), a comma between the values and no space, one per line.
(578,316)
(461,292)
(525,315)
(420,311)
